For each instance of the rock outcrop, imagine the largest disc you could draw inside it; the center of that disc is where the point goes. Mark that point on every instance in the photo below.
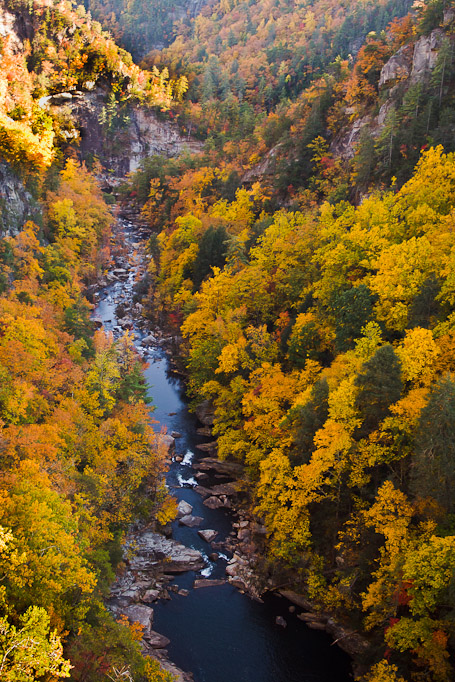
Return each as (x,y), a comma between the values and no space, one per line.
(144,134)
(205,412)
(347,639)
(410,65)
(265,168)
(138,613)
(425,55)
(398,67)
(16,203)
(414,62)
(233,469)
(153,552)
(13,27)
(149,559)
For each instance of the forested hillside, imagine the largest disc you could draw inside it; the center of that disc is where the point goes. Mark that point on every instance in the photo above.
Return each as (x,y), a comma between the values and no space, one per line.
(326,344)
(142,26)
(49,49)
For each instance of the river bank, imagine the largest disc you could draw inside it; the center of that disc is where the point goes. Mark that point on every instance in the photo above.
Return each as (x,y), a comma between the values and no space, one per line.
(211,535)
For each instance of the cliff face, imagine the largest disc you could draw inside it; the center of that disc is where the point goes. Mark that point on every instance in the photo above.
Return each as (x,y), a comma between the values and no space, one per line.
(409,66)
(76,113)
(121,151)
(15,26)
(17,205)
(143,135)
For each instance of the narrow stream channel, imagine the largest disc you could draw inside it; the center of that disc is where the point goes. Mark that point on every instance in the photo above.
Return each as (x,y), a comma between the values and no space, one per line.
(217,633)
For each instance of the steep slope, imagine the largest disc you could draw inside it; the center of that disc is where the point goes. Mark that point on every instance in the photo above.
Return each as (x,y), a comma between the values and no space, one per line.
(267,51)
(143,26)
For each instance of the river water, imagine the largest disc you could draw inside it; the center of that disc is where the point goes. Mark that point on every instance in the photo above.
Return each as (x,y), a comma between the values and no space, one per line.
(217,633)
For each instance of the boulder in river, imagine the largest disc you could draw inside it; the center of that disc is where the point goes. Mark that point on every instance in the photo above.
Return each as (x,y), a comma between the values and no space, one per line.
(150,595)
(184,508)
(243,534)
(166,442)
(157,641)
(139,613)
(149,340)
(207,535)
(224,489)
(206,582)
(191,521)
(207,447)
(205,492)
(213,502)
(232,568)
(233,469)
(154,552)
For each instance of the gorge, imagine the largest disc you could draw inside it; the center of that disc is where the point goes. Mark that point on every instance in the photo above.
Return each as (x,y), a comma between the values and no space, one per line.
(253,227)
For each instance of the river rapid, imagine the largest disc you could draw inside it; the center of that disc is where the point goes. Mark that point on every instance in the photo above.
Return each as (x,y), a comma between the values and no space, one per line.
(216,632)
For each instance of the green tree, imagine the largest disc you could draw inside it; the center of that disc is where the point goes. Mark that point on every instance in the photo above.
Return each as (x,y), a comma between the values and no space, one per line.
(306,420)
(433,471)
(352,309)
(442,69)
(379,385)
(364,162)
(212,252)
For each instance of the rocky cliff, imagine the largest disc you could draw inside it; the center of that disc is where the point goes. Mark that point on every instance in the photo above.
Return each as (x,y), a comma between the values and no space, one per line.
(411,65)
(17,204)
(142,134)
(16,27)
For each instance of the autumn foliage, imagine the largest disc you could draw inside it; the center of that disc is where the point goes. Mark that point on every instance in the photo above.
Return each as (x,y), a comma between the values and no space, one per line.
(325,345)
(78,454)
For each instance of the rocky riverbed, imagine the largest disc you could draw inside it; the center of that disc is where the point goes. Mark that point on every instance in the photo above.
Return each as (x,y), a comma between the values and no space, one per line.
(151,561)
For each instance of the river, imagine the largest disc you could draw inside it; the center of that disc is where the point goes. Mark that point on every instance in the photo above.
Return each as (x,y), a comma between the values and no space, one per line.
(217,633)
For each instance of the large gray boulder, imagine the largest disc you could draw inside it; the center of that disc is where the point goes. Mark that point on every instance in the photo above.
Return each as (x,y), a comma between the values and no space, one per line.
(184,508)
(191,521)
(208,535)
(141,614)
(154,553)
(165,442)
